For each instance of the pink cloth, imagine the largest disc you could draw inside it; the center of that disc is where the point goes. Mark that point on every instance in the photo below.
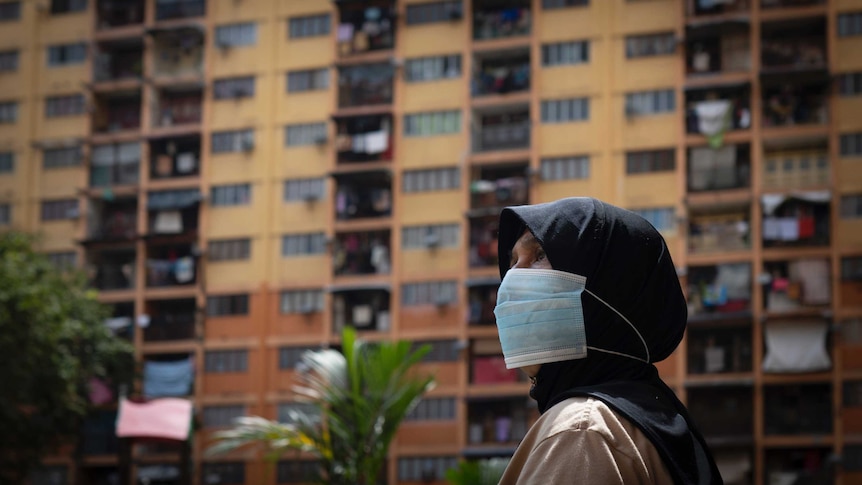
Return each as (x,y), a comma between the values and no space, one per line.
(168,418)
(100,393)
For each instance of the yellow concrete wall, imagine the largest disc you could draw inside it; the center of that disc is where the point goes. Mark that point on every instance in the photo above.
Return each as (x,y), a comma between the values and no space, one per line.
(298,107)
(433,96)
(846,52)
(649,189)
(235,221)
(643,73)
(300,162)
(231,166)
(551,191)
(579,79)
(850,174)
(433,151)
(60,182)
(434,39)
(57,235)
(646,17)
(242,59)
(430,207)
(304,7)
(243,111)
(849,233)
(423,262)
(61,127)
(847,112)
(645,131)
(308,270)
(299,216)
(561,24)
(577,137)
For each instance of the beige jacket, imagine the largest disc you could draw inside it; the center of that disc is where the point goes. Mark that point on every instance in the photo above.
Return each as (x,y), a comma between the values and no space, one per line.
(581,440)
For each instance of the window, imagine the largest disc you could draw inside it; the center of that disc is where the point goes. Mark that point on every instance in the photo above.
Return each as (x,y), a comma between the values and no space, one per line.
(443,235)
(432,68)
(305,134)
(58,210)
(8,61)
(230,250)
(549,4)
(232,141)
(303,244)
(68,6)
(71,105)
(115,164)
(849,24)
(851,206)
(7,162)
(564,53)
(433,179)
(218,361)
(308,80)
(223,473)
(650,45)
(650,102)
(222,305)
(851,145)
(10,11)
(426,13)
(63,260)
(221,416)
(433,123)
(234,88)
(297,471)
(304,189)
(851,268)
(433,409)
(290,357)
(565,110)
(301,301)
(850,84)
(5,214)
(311,26)
(8,111)
(425,469)
(226,195)
(441,351)
(67,54)
(429,293)
(566,168)
(61,157)
(287,412)
(662,218)
(650,161)
(236,35)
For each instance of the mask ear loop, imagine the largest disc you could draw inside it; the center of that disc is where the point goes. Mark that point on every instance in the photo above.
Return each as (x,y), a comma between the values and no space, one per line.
(646,349)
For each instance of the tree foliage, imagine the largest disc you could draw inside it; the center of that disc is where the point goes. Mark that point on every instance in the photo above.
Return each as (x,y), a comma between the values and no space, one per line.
(360,398)
(52,342)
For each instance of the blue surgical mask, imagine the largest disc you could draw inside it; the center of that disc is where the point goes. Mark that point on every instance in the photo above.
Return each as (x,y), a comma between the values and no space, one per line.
(540,317)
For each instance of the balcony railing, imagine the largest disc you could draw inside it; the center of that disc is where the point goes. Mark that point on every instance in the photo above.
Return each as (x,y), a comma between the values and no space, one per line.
(366,310)
(113,276)
(178,271)
(170,327)
(115,115)
(729,52)
(112,14)
(798,220)
(796,169)
(365,85)
(790,107)
(360,201)
(362,253)
(117,173)
(767,4)
(716,349)
(179,110)
(502,137)
(505,191)
(719,8)
(720,289)
(708,235)
(793,53)
(178,53)
(501,78)
(366,28)
(718,169)
(499,422)
(118,64)
(504,22)
(167,10)
(483,241)
(115,225)
(364,139)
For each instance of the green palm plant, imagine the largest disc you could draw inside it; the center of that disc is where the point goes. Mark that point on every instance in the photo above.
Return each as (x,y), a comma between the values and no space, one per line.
(360,397)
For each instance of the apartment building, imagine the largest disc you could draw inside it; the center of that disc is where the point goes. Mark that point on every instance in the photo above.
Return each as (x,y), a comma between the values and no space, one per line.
(243,178)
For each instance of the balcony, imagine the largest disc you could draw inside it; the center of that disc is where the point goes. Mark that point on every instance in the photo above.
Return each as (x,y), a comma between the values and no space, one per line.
(492,188)
(501,130)
(121,321)
(175,157)
(111,14)
(363,309)
(482,297)
(779,4)
(724,414)
(168,375)
(787,104)
(725,168)
(796,286)
(362,253)
(117,164)
(498,423)
(363,195)
(177,107)
(802,409)
(697,9)
(111,270)
(495,19)
(720,349)
(117,112)
(363,139)
(715,229)
(112,220)
(173,212)
(712,112)
(501,72)
(178,53)
(171,320)
(802,166)
(171,265)
(800,219)
(99,435)
(366,28)
(814,464)
(179,9)
(487,366)
(118,61)
(365,85)
(851,281)
(718,48)
(483,241)
(794,46)
(719,292)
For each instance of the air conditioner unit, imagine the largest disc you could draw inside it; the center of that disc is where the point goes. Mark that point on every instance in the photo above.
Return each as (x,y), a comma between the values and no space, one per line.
(311,197)
(321,140)
(73,213)
(631,110)
(432,240)
(247,145)
(456,13)
(442,300)
(307,309)
(223,44)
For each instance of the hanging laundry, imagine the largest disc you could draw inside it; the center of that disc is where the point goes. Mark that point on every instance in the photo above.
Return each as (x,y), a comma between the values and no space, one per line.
(100,393)
(345,33)
(376,142)
(168,378)
(788,228)
(713,120)
(186,163)
(796,347)
(184,270)
(168,222)
(169,418)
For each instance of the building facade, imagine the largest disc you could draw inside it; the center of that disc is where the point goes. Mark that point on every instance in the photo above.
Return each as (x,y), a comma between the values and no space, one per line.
(243,178)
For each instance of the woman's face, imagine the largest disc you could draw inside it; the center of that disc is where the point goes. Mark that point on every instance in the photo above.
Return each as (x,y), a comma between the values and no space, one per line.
(528,253)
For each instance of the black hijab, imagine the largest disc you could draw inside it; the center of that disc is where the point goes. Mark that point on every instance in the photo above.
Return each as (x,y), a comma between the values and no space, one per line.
(627,264)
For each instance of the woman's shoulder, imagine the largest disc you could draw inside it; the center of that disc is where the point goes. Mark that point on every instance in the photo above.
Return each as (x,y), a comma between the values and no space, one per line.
(586,413)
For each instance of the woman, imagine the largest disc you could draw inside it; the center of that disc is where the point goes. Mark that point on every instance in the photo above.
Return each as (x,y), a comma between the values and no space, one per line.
(589,301)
